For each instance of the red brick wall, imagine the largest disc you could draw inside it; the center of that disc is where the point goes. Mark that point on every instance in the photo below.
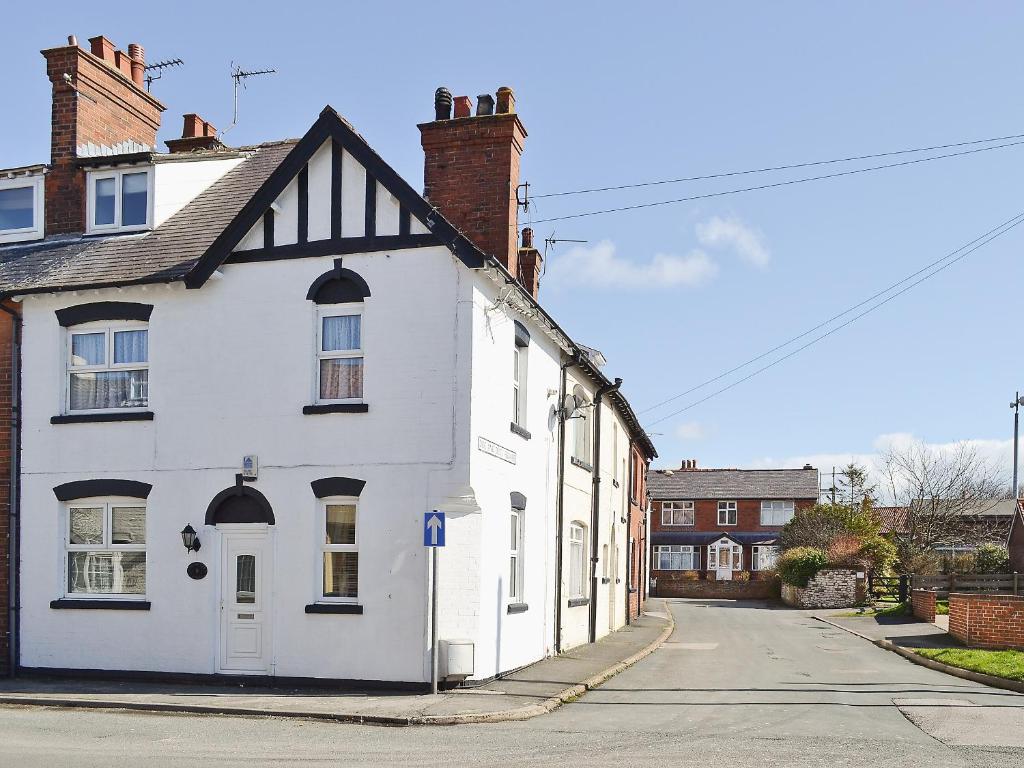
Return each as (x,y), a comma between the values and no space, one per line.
(748,516)
(6,414)
(107,109)
(637,532)
(922,604)
(675,584)
(471,171)
(987,621)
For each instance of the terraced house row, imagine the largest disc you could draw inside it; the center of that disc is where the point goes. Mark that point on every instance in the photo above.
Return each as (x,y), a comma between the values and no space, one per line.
(235,379)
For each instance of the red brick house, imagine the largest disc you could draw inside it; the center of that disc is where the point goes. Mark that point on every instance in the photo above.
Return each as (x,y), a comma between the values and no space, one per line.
(714,532)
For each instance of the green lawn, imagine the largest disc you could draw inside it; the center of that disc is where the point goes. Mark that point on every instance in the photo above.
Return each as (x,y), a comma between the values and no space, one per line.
(1007,664)
(900,609)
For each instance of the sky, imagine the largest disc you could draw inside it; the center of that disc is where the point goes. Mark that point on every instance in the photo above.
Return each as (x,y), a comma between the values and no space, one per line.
(617,93)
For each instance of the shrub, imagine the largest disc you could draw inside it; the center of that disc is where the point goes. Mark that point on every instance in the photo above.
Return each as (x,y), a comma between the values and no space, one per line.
(991,558)
(797,566)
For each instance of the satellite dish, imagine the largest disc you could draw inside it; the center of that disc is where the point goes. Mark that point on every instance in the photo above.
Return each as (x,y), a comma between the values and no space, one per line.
(570,405)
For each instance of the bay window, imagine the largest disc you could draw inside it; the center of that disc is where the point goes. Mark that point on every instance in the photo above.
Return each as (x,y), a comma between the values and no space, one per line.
(108,367)
(340,552)
(105,548)
(776,512)
(764,558)
(673,557)
(340,354)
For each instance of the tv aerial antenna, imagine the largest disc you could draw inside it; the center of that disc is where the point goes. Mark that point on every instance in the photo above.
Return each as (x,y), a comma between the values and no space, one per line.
(551,242)
(240,75)
(156,70)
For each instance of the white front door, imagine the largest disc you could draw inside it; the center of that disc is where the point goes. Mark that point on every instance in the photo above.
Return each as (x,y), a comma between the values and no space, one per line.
(724,572)
(245,600)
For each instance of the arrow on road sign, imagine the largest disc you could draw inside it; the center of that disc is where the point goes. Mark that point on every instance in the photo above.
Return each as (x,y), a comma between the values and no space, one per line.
(433,529)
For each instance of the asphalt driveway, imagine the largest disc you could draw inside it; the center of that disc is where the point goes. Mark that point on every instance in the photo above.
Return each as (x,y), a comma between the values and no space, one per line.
(738,684)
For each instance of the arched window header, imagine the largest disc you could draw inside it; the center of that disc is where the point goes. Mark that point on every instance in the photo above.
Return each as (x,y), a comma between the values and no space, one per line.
(103,310)
(239,504)
(85,489)
(338,286)
(337,486)
(518,500)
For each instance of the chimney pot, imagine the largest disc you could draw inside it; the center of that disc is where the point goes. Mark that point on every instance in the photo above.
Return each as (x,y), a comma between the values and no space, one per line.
(808,466)
(193,126)
(484,104)
(527,238)
(442,104)
(463,106)
(72,40)
(506,100)
(102,48)
(137,56)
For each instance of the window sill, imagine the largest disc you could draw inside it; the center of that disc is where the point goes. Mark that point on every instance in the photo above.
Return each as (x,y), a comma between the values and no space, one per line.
(575,602)
(581,464)
(334,608)
(520,431)
(101,605)
(518,607)
(309,410)
(92,418)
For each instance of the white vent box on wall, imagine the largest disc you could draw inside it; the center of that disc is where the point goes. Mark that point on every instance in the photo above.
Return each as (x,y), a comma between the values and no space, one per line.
(457,657)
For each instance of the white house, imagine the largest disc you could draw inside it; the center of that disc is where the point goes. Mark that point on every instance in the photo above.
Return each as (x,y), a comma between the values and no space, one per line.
(287,351)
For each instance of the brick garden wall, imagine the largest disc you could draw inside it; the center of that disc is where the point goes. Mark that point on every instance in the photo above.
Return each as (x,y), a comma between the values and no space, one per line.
(678,584)
(922,604)
(829,588)
(987,621)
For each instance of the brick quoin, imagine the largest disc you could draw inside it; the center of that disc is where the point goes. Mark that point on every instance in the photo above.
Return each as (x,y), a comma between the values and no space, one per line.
(6,410)
(101,105)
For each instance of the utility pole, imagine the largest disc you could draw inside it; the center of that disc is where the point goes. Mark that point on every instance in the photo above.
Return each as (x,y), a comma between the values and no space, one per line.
(1018,401)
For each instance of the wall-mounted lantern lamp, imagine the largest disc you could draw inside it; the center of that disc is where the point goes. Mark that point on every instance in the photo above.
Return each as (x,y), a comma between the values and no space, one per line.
(190,539)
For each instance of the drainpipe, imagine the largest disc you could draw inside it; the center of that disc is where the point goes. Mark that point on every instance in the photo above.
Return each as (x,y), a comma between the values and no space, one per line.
(595,503)
(559,496)
(14,529)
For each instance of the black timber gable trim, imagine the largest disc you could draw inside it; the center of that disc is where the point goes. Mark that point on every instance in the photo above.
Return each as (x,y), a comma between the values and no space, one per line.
(330,126)
(86,489)
(340,247)
(103,310)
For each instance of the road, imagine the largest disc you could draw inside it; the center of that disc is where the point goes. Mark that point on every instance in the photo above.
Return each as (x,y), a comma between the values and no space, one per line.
(738,684)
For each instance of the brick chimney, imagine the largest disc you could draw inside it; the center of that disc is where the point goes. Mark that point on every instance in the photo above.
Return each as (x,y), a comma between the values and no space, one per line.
(530,263)
(197,134)
(100,107)
(471,169)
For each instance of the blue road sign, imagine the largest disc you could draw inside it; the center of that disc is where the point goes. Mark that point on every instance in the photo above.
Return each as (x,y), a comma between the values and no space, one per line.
(433,529)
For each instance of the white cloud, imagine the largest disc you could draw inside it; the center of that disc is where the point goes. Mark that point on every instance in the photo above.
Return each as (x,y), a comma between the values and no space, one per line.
(691,430)
(601,266)
(748,243)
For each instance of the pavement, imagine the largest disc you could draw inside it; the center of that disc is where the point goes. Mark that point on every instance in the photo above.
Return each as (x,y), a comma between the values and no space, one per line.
(532,691)
(737,683)
(905,632)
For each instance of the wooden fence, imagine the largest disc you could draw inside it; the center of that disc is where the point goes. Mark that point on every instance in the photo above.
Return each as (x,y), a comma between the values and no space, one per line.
(1008,583)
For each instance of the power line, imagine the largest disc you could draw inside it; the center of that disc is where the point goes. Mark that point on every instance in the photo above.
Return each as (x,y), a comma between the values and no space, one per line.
(832,319)
(1016,221)
(774,184)
(793,166)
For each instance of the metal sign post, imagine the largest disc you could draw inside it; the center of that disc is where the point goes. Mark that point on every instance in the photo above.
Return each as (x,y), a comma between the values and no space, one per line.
(433,537)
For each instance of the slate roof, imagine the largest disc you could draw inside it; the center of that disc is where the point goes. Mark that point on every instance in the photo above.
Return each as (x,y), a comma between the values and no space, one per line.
(164,254)
(733,483)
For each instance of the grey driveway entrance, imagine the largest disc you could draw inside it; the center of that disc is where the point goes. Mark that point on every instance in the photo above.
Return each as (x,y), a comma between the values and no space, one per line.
(739,684)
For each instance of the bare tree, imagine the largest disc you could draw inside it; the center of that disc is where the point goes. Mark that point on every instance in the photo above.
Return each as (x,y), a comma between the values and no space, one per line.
(943,497)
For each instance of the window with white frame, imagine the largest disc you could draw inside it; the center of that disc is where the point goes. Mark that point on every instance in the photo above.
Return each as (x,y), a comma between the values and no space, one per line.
(577,561)
(340,548)
(723,555)
(727,513)
(764,557)
(776,512)
(106,548)
(676,557)
(21,209)
(340,353)
(677,513)
(108,366)
(581,428)
(515,556)
(520,360)
(119,200)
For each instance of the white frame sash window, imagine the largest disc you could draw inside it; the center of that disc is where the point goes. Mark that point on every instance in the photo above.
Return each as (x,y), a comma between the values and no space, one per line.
(727,513)
(677,513)
(777,512)
(105,549)
(581,428)
(763,557)
(676,557)
(577,561)
(350,353)
(127,379)
(339,546)
(114,222)
(515,556)
(34,230)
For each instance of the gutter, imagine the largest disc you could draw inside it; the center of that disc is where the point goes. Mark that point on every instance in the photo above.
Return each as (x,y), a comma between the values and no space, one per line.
(14,502)
(595,502)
